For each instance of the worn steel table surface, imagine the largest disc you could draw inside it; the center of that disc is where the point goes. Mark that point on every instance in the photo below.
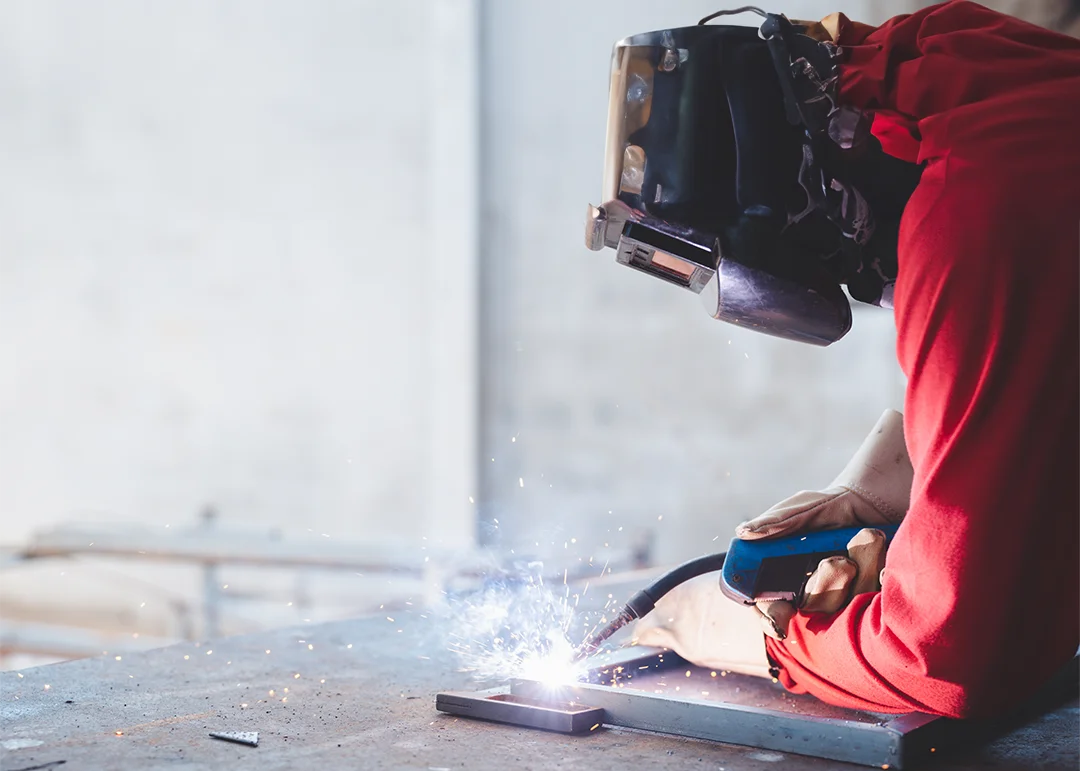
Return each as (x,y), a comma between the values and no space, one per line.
(358,694)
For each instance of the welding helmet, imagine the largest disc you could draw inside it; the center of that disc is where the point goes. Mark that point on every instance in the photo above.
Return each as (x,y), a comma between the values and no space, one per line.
(715,177)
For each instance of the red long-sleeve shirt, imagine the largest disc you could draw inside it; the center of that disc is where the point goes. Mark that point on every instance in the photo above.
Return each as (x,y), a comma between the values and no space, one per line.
(979,601)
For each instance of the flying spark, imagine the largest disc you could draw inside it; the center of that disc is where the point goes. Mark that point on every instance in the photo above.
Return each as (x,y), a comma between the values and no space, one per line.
(514,626)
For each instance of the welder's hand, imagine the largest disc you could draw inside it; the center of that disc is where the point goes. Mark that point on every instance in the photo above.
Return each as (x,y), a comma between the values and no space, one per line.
(873,489)
(703,626)
(833,584)
(706,628)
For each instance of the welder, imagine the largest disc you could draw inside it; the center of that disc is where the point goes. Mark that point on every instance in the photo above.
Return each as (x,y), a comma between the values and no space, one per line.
(931,165)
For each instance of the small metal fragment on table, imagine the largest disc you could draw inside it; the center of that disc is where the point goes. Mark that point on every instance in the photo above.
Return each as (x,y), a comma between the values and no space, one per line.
(250,738)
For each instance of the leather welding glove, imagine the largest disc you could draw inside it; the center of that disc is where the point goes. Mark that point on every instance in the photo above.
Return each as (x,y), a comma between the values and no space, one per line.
(703,626)
(873,489)
(706,628)
(698,622)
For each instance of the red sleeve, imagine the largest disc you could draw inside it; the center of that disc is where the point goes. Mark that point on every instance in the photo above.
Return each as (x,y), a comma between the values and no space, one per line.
(982,582)
(920,70)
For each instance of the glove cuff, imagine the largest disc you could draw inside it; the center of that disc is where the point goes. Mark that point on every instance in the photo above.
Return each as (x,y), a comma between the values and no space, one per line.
(881,472)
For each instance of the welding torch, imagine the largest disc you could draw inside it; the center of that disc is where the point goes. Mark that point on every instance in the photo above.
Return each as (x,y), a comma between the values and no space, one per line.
(750,572)
(644,601)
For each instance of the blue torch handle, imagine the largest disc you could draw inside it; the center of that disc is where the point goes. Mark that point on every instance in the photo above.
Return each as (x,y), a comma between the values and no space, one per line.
(777,568)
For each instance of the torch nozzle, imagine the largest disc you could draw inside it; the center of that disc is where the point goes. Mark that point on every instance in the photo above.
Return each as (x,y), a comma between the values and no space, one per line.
(645,600)
(593,642)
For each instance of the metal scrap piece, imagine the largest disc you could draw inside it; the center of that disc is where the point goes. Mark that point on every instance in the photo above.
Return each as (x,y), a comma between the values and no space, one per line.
(250,738)
(502,707)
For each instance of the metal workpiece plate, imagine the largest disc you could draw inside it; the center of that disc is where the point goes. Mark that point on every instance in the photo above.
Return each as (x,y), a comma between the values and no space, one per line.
(501,706)
(653,691)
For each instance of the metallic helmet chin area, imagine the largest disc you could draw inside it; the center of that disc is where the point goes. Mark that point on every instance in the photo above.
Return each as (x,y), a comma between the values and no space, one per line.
(698,139)
(804,308)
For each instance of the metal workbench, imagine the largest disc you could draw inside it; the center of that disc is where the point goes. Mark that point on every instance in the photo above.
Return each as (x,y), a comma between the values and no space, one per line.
(360,694)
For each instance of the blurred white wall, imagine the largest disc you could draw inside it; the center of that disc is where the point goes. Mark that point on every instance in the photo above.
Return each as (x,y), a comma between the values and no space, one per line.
(320,265)
(610,398)
(217,280)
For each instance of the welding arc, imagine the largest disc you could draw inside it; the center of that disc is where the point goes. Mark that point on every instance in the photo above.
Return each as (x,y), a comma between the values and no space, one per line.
(644,601)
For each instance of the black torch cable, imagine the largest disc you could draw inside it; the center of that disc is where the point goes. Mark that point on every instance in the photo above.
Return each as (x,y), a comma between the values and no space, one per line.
(644,601)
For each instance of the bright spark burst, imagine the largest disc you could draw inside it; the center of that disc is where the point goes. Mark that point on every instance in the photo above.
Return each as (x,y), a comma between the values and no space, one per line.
(514,626)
